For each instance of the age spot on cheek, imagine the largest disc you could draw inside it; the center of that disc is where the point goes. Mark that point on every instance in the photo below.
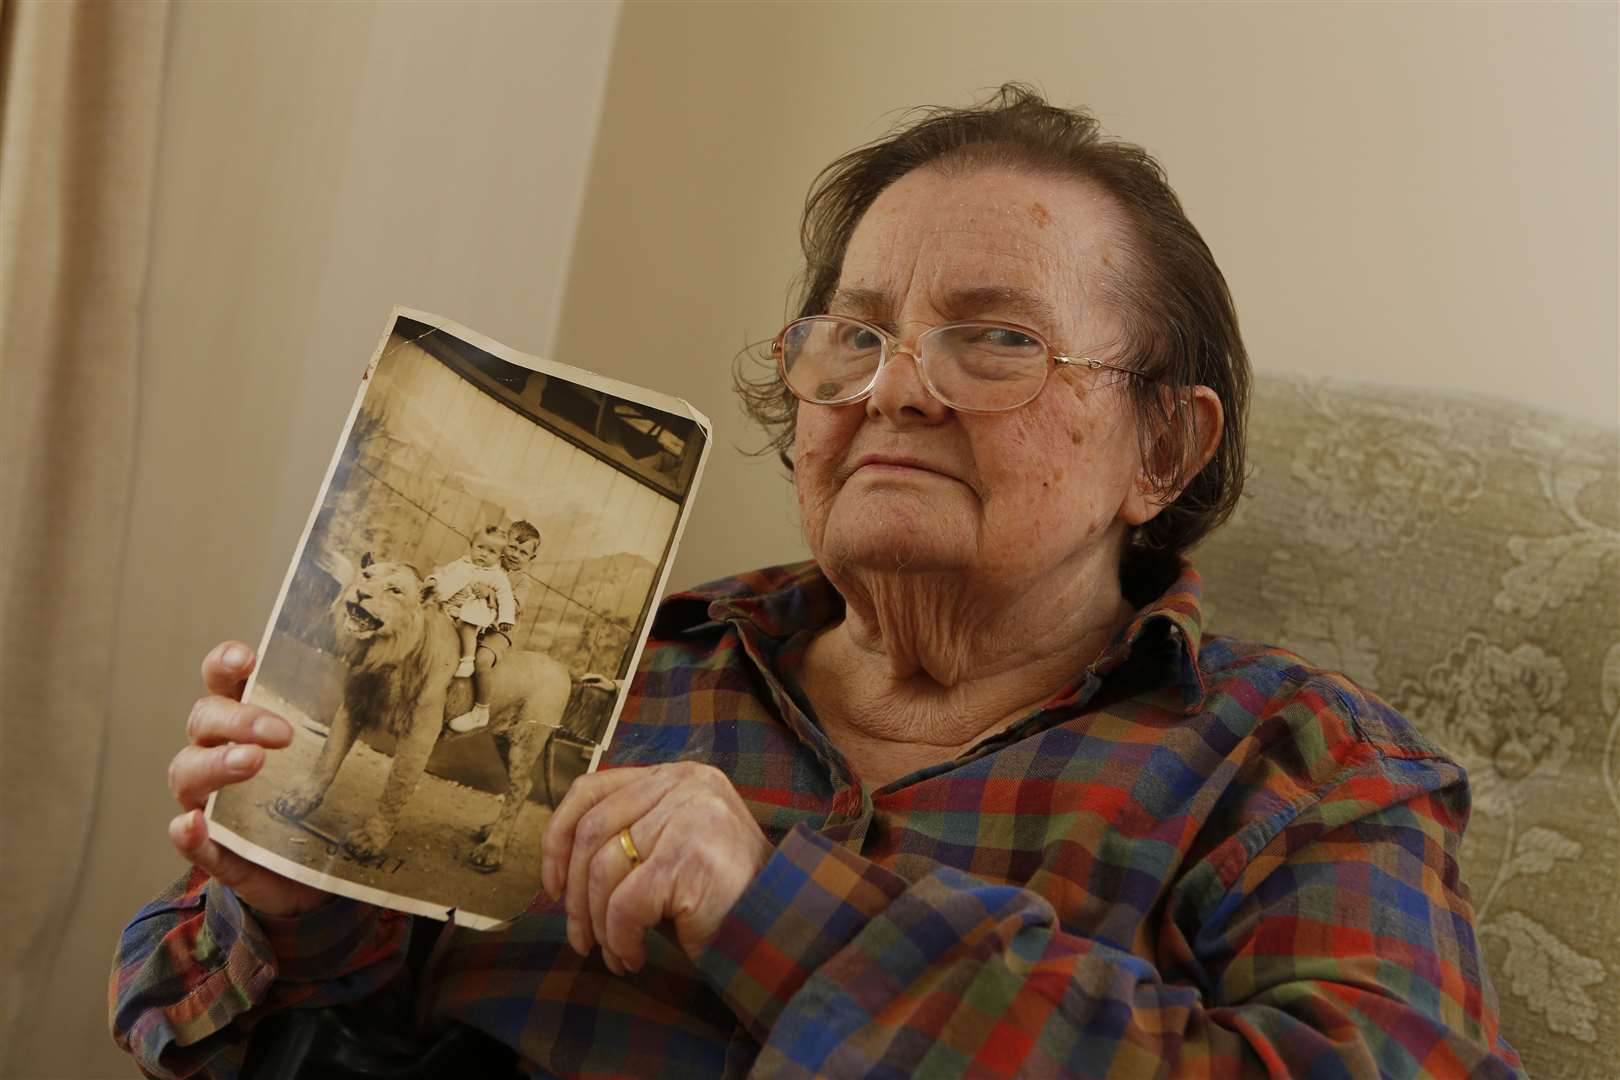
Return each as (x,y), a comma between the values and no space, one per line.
(1041,215)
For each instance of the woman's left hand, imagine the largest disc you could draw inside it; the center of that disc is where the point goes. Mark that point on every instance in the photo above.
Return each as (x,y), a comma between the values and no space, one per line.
(698,848)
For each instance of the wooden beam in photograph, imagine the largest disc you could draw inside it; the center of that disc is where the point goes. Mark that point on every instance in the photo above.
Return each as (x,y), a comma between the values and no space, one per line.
(528,393)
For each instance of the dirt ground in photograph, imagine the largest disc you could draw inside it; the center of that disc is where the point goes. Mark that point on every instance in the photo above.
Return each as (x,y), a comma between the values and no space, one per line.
(428,856)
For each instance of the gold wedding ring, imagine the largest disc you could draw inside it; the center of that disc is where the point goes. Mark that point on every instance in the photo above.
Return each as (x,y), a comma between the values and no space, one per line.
(628,846)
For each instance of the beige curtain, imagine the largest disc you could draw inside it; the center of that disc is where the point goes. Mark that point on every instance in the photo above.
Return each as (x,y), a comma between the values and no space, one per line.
(80,88)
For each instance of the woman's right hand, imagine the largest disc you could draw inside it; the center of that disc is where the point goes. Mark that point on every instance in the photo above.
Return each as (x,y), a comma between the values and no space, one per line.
(227,744)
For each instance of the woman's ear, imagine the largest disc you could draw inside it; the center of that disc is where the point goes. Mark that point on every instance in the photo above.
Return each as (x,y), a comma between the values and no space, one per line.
(1162,477)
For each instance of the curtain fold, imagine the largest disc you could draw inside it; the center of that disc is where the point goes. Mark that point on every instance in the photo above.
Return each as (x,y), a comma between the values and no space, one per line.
(80,94)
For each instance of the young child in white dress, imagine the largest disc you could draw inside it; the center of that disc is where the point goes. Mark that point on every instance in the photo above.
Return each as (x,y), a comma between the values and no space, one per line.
(466,587)
(522,544)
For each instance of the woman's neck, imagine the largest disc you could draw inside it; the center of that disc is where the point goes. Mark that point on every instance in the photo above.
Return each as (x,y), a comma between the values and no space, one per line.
(922,668)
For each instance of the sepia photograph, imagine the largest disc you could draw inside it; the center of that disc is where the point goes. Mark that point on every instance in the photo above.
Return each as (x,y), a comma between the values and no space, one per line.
(454,637)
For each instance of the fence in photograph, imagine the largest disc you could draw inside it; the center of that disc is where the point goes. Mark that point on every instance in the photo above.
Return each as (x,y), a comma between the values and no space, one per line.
(410,499)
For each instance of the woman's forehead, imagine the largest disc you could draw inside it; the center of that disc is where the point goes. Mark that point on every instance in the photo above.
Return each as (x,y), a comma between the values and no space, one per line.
(994,239)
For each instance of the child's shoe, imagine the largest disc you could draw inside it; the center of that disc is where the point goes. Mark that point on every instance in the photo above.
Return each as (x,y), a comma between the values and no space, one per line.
(471,720)
(465,668)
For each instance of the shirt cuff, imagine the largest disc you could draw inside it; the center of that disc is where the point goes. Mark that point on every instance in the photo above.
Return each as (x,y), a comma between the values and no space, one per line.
(805,905)
(331,940)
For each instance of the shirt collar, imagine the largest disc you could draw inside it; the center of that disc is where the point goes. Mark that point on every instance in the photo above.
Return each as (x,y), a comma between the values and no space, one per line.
(1170,624)
(781,601)
(778,601)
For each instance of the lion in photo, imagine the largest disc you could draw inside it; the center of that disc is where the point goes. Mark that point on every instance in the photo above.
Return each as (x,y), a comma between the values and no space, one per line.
(401,651)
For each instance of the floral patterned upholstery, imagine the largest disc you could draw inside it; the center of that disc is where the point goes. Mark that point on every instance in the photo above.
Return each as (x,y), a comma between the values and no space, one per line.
(1461,557)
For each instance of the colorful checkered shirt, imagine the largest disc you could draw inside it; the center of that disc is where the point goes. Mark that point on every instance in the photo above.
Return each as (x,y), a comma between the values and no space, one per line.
(1200,858)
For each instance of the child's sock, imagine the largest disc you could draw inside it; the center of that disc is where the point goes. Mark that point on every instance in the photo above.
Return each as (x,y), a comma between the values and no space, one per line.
(471,720)
(465,668)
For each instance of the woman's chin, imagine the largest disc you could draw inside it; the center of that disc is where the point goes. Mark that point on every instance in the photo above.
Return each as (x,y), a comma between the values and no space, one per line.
(873,547)
(894,531)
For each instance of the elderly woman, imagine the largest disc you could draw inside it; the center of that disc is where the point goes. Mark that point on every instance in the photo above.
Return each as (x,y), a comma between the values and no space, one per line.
(973,792)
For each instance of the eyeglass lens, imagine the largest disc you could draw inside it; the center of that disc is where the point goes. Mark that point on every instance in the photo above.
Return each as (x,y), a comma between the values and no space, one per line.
(978,366)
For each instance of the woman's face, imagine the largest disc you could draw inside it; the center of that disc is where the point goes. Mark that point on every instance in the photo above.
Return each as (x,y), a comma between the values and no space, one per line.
(900,481)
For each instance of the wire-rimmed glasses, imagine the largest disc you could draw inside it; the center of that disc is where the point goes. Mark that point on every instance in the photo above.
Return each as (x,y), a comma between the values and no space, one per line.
(970,366)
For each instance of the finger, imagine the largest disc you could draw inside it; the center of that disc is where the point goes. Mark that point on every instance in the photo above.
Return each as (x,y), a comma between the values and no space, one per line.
(596,845)
(189,834)
(636,906)
(609,868)
(197,772)
(226,667)
(706,849)
(612,864)
(647,835)
(218,719)
(584,794)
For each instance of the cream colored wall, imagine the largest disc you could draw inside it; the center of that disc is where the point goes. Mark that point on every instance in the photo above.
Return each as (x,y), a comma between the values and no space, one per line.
(1423,194)
(318,164)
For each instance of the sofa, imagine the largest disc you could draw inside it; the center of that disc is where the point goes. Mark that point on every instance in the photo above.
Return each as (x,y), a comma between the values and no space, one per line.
(1460,556)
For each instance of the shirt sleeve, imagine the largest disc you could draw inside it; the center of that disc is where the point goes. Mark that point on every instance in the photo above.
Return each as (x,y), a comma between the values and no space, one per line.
(506,611)
(1331,940)
(196,968)
(451,578)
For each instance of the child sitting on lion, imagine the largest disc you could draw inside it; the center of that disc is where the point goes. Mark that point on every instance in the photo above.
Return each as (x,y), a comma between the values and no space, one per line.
(522,545)
(475,592)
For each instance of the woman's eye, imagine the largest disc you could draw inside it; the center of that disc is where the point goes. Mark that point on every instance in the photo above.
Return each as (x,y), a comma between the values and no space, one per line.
(859,337)
(1003,338)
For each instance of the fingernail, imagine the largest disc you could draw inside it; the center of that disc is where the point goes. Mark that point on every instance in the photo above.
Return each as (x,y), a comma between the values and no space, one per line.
(270,727)
(241,757)
(235,657)
(575,940)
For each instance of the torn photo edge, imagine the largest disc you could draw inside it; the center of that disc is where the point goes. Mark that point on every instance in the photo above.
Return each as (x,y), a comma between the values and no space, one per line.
(676,406)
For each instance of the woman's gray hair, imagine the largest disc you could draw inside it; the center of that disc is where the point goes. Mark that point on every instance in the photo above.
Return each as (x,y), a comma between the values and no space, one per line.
(1180,326)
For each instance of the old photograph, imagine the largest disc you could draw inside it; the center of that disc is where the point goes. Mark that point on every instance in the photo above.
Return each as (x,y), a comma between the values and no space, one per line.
(458,627)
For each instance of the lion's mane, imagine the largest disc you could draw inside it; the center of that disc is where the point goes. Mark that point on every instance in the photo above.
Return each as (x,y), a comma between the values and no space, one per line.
(389,672)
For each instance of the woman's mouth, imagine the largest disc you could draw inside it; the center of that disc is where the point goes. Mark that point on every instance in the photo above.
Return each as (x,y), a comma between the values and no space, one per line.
(898,465)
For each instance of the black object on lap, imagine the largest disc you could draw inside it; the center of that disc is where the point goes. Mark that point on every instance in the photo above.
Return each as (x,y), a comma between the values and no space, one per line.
(327,1044)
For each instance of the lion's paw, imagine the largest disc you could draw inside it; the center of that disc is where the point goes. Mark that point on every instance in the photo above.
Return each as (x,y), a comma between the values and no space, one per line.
(368,841)
(487,856)
(299,801)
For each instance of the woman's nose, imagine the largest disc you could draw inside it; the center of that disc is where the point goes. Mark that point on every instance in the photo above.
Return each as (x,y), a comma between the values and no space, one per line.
(900,395)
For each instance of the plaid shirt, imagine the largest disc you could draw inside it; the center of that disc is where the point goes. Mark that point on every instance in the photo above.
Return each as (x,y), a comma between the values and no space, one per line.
(1200,858)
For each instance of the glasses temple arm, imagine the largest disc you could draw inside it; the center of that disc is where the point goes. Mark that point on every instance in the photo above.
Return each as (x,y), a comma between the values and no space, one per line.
(1088,362)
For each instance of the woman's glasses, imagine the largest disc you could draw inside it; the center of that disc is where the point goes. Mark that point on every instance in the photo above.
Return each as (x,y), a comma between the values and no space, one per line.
(970,366)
